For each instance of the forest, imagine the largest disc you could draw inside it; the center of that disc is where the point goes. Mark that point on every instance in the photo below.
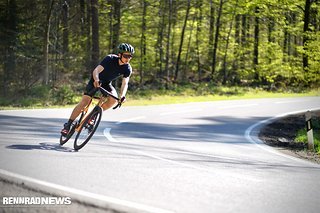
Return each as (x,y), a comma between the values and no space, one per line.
(54,44)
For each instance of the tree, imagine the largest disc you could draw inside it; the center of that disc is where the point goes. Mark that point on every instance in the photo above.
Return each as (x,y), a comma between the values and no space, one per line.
(95,33)
(65,30)
(216,40)
(143,40)
(45,73)
(198,35)
(224,68)
(181,41)
(258,41)
(115,23)
(256,44)
(306,30)
(211,31)
(170,11)
(8,41)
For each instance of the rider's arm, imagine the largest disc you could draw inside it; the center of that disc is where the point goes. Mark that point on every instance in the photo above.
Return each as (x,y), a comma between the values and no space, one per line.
(124,87)
(95,75)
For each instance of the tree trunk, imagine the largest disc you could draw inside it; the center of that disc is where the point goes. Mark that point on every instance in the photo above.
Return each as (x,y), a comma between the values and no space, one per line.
(181,41)
(143,40)
(216,40)
(168,43)
(95,33)
(235,64)
(306,29)
(256,45)
(186,68)
(116,23)
(82,16)
(211,30)
(110,25)
(45,71)
(199,21)
(224,68)
(9,41)
(159,45)
(286,40)
(65,32)
(88,41)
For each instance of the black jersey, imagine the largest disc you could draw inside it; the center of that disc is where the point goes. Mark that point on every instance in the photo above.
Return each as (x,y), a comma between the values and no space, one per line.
(112,69)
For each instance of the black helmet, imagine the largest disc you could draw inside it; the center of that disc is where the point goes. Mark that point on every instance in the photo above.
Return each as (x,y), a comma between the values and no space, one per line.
(124,47)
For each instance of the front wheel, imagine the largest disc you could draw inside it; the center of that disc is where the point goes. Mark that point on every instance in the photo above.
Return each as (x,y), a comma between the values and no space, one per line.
(88,128)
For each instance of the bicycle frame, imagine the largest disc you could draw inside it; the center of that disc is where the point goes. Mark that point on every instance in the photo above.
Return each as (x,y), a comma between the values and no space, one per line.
(101,100)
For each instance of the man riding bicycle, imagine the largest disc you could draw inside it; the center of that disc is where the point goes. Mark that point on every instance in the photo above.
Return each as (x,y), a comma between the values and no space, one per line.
(110,68)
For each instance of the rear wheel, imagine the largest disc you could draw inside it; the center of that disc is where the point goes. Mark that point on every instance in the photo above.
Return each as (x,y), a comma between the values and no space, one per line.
(88,128)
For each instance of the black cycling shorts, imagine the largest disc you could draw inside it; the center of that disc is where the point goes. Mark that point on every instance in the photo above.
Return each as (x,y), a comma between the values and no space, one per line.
(91,90)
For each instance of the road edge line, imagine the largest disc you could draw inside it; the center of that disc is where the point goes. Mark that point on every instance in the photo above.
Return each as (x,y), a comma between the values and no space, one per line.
(251,134)
(100,201)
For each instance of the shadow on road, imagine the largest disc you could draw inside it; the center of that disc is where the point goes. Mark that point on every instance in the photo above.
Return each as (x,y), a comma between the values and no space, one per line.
(41,146)
(218,129)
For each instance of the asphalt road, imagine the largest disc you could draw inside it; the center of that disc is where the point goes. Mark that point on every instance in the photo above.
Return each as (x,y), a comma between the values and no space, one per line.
(197,157)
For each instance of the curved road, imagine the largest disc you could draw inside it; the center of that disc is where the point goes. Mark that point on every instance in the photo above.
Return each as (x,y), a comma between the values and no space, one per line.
(196,157)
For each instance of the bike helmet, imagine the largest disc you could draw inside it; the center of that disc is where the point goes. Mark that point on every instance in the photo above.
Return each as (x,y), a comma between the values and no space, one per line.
(124,47)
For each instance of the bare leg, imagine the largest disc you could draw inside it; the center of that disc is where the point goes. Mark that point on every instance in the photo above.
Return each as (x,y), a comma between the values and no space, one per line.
(80,106)
(109,103)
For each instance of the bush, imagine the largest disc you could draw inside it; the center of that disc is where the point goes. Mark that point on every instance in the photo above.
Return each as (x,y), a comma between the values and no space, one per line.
(40,92)
(64,95)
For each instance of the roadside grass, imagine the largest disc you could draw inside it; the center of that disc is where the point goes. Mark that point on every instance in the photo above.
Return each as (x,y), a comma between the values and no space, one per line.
(156,97)
(66,97)
(301,135)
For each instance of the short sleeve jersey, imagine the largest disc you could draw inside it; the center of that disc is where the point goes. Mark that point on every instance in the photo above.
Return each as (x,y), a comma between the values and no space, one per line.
(112,69)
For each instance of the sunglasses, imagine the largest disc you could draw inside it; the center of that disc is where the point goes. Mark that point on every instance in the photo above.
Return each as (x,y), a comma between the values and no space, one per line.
(127,56)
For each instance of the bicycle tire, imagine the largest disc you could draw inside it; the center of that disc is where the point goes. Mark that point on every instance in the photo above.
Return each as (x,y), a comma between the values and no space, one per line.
(64,139)
(86,131)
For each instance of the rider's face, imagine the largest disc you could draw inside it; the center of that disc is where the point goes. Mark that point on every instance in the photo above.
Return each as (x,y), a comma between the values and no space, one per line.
(125,58)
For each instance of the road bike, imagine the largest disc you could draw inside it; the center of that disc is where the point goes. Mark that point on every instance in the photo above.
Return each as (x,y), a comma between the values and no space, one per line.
(89,120)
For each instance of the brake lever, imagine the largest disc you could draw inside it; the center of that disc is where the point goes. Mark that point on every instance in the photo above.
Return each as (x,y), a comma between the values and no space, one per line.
(118,105)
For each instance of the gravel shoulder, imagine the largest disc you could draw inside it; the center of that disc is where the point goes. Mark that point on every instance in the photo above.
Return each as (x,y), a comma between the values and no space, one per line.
(280,134)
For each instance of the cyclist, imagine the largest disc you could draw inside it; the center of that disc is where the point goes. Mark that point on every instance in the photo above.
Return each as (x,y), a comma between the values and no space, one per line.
(110,68)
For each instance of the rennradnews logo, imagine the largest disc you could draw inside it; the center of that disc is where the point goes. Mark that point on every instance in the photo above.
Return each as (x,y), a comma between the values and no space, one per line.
(36,201)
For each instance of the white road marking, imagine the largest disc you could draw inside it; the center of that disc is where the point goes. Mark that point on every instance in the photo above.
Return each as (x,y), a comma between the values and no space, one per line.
(107,134)
(111,139)
(130,119)
(180,112)
(143,207)
(238,106)
(292,101)
(110,200)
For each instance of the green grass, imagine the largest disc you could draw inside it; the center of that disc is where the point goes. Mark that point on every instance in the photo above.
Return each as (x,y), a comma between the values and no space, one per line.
(302,135)
(66,97)
(156,97)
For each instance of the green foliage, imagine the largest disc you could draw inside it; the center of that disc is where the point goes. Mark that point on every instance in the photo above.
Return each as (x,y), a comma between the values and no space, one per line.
(281,34)
(64,95)
(313,74)
(40,96)
(40,92)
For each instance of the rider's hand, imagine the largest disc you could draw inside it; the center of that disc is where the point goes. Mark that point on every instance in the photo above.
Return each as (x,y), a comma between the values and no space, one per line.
(96,83)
